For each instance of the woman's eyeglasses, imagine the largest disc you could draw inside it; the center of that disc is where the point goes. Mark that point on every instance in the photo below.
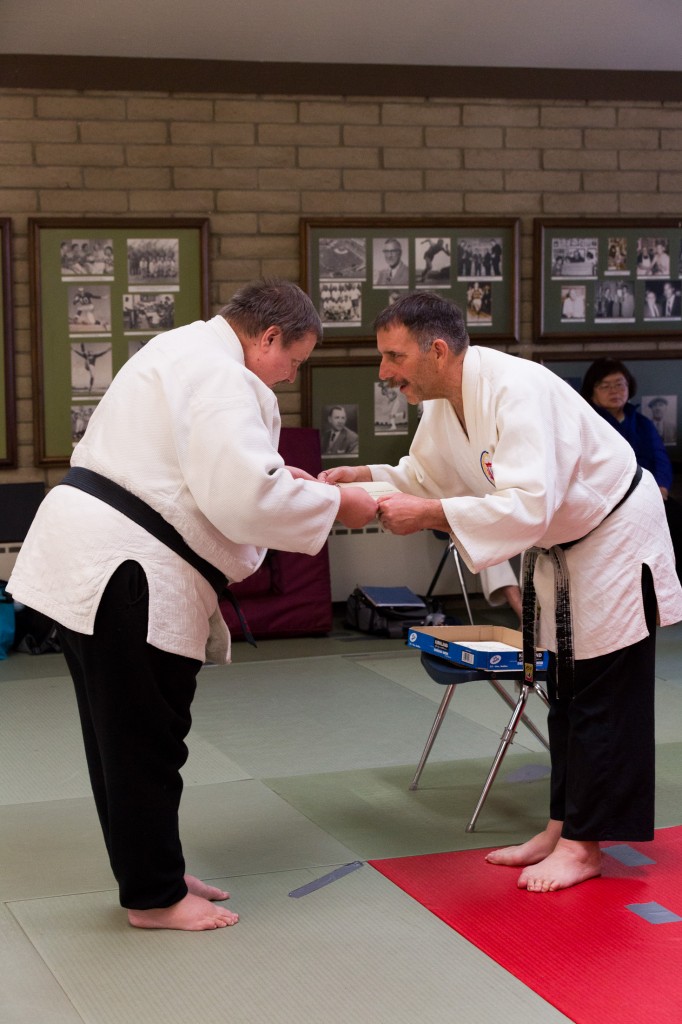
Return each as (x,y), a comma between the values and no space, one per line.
(612,385)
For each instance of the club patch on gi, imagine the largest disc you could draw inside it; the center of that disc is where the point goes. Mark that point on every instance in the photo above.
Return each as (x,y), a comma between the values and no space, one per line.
(487,466)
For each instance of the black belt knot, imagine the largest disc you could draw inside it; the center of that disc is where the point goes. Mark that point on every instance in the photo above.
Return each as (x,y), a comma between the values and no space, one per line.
(562,601)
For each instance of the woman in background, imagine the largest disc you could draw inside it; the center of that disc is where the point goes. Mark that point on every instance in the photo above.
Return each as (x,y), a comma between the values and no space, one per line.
(608,386)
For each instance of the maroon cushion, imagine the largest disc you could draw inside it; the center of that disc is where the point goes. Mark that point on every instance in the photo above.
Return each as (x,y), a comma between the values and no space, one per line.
(290,594)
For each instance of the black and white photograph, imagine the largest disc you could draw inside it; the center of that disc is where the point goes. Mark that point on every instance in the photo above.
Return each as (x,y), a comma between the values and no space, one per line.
(391,263)
(432,262)
(341,303)
(87,257)
(671,305)
(147,313)
(653,257)
(153,262)
(339,431)
(89,309)
(343,259)
(374,261)
(614,301)
(661,301)
(662,411)
(135,345)
(80,417)
(479,258)
(574,257)
(91,367)
(617,256)
(479,309)
(390,409)
(573,303)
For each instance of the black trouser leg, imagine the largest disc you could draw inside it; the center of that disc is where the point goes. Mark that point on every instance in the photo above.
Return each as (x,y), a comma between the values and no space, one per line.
(134,701)
(602,742)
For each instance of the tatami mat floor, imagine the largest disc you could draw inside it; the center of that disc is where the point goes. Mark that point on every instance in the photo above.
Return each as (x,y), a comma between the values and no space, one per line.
(301,755)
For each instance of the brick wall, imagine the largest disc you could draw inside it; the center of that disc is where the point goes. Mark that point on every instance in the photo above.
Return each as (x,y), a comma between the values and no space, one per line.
(255,165)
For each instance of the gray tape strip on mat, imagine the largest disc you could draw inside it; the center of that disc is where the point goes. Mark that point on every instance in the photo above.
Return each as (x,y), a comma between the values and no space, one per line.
(627,855)
(654,913)
(345,869)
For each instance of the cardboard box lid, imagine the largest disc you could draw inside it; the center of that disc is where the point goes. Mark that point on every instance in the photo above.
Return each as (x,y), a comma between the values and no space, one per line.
(478,634)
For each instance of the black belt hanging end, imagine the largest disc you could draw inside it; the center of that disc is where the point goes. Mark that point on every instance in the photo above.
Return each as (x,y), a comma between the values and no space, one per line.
(248,635)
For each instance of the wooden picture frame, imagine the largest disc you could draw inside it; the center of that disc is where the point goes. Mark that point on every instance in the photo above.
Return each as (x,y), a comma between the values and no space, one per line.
(658,375)
(8,412)
(598,279)
(100,289)
(352,268)
(378,425)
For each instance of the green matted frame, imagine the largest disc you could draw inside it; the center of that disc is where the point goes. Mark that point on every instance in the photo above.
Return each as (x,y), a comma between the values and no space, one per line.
(100,289)
(473,261)
(657,375)
(354,384)
(8,412)
(597,279)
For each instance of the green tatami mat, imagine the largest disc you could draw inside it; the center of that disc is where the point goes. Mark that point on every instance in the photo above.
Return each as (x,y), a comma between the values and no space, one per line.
(29,991)
(373,812)
(358,951)
(313,715)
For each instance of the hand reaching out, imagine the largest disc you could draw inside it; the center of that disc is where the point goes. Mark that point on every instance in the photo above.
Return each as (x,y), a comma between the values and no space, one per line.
(405,513)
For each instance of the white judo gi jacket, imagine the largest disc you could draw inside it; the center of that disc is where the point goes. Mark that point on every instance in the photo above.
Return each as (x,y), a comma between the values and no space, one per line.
(540,467)
(187,428)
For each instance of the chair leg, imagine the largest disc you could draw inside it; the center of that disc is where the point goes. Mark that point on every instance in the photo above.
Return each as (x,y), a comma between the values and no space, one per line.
(500,690)
(440,715)
(506,740)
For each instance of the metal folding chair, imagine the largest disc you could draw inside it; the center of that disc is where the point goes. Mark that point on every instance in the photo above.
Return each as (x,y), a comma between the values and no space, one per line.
(451,676)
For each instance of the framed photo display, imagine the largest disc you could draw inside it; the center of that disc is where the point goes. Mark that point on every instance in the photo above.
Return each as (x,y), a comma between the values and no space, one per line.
(597,279)
(100,290)
(8,421)
(353,268)
(360,418)
(659,390)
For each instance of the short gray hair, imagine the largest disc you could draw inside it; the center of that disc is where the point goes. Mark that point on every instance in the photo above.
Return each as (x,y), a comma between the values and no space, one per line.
(427,316)
(273,302)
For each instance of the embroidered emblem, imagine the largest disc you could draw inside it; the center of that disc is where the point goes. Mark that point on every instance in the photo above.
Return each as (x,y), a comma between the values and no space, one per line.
(487,466)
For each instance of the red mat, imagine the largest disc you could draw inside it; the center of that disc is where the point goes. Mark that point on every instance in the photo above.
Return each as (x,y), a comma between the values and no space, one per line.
(581,949)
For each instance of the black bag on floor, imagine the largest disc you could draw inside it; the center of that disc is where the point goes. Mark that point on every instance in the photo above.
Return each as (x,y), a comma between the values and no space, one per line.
(384,611)
(34,633)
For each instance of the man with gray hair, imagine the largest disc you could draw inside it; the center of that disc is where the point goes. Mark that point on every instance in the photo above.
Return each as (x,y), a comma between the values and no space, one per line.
(176,487)
(396,273)
(508,458)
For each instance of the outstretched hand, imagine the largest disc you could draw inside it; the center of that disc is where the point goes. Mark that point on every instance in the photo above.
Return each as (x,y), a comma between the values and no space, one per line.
(405,513)
(345,475)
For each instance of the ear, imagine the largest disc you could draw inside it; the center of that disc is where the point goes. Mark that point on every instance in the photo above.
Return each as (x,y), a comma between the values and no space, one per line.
(440,348)
(270,335)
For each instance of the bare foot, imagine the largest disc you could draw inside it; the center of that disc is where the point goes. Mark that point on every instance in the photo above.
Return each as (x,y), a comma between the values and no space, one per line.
(532,852)
(570,863)
(208,892)
(191,914)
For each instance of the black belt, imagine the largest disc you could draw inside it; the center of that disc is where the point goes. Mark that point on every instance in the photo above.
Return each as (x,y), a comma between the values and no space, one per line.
(153,522)
(562,600)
